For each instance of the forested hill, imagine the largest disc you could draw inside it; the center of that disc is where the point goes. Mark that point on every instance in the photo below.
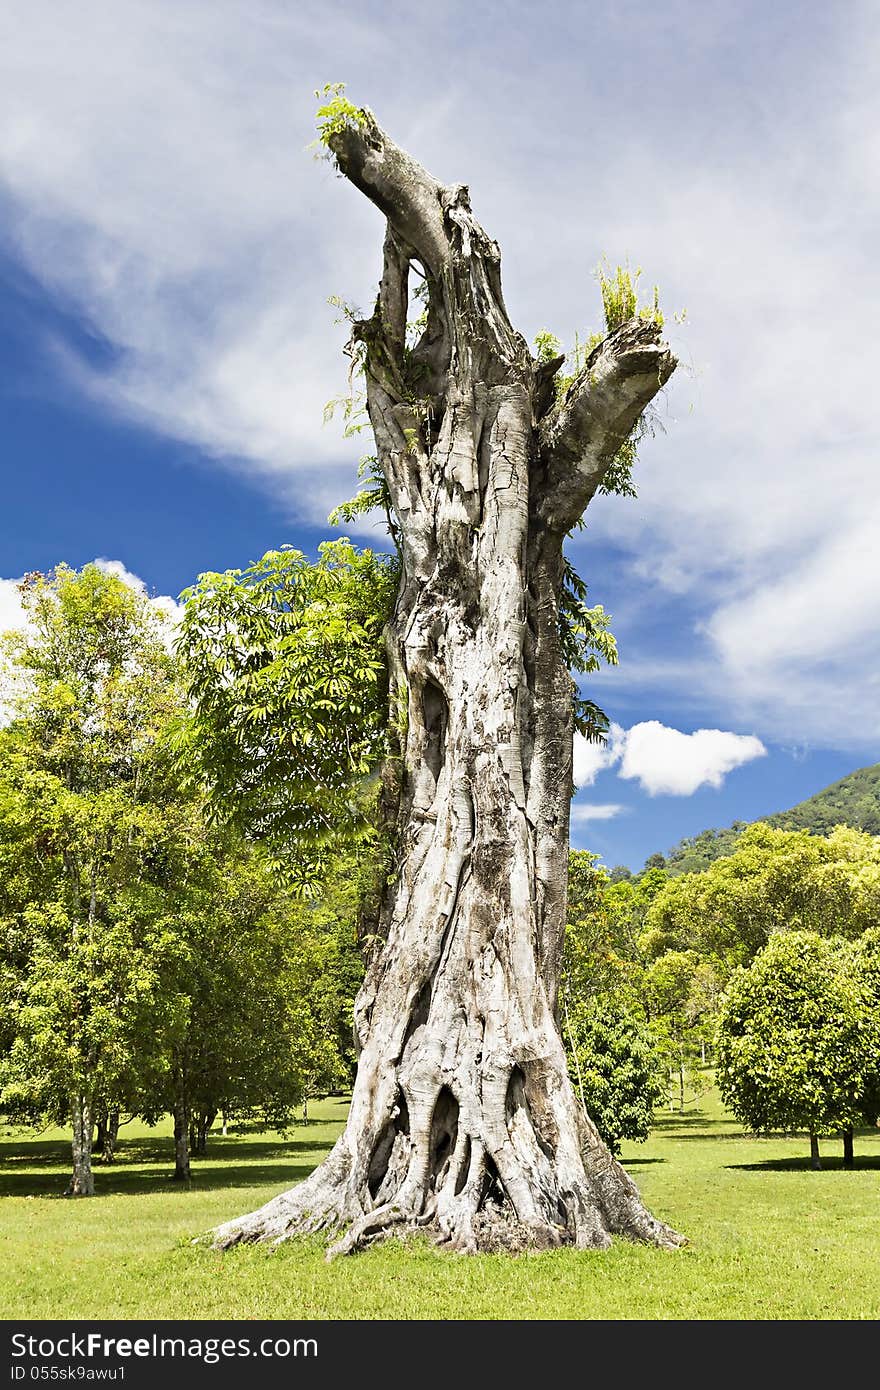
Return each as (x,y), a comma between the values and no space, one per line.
(854,800)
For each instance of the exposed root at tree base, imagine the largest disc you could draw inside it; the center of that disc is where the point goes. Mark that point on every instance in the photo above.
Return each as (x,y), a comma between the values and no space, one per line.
(490,1229)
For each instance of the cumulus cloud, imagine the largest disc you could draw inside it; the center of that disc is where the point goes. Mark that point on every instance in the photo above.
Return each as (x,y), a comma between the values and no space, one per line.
(11,611)
(661,759)
(592,758)
(599,811)
(664,760)
(12,614)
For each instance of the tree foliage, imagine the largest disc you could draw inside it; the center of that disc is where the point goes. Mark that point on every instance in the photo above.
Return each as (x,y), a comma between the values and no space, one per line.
(286,675)
(148,960)
(84,812)
(775,881)
(614,1062)
(798,1040)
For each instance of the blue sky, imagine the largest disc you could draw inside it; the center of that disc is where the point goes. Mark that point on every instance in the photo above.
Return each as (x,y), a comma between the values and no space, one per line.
(168,246)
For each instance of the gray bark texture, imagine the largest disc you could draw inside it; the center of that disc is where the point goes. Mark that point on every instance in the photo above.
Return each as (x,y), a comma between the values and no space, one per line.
(463,1121)
(82,1180)
(181,1137)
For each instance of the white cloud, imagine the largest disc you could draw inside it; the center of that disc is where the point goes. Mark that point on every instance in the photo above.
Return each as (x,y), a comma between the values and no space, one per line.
(661,759)
(664,760)
(152,161)
(599,811)
(592,758)
(158,183)
(11,611)
(168,609)
(817,610)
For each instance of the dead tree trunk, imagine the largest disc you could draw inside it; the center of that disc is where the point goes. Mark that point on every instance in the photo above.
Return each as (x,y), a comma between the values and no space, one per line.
(463,1119)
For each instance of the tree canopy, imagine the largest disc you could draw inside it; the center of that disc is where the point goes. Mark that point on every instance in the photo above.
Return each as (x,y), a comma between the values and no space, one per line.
(799,1038)
(287,679)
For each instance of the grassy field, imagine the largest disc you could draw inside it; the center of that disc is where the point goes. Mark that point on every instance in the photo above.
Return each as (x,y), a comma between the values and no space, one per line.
(768,1238)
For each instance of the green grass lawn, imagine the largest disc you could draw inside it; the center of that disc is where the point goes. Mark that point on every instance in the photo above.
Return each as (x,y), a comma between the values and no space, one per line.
(768,1238)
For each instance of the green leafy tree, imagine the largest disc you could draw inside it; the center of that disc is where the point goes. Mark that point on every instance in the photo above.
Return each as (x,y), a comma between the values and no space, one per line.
(682,994)
(775,881)
(256,1023)
(614,1057)
(616,1065)
(84,812)
(286,671)
(796,1047)
(864,962)
(602,952)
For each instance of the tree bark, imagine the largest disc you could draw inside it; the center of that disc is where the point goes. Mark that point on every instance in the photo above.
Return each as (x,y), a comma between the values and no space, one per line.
(181,1135)
(82,1181)
(107,1135)
(199,1130)
(849,1158)
(815,1156)
(463,1120)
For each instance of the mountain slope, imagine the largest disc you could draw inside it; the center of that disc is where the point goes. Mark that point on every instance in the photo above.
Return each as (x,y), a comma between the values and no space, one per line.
(854,800)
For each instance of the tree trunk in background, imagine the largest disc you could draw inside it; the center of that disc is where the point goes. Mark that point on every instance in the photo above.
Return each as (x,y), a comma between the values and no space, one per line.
(815,1156)
(181,1137)
(82,1182)
(107,1135)
(199,1131)
(463,1120)
(849,1159)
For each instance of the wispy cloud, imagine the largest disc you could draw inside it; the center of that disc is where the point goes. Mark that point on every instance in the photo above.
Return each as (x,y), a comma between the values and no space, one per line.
(580,814)
(155,179)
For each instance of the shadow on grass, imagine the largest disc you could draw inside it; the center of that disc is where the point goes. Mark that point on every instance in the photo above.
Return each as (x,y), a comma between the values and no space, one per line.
(641,1162)
(802,1165)
(681,1121)
(145,1165)
(119,1181)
